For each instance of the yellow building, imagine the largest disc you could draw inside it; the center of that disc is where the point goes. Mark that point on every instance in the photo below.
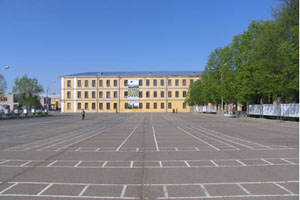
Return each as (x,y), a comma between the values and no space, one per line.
(158,91)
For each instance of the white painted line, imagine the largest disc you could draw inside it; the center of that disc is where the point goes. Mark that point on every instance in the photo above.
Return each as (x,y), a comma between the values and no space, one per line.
(51,163)
(78,149)
(187,164)
(241,162)
(288,161)
(126,139)
(199,132)
(9,187)
(26,163)
(160,164)
(256,144)
(81,140)
(243,188)
(137,149)
(204,190)
(78,164)
(165,191)
(123,191)
(46,188)
(155,140)
(104,164)
(285,189)
(83,190)
(98,149)
(197,149)
(198,139)
(4,161)
(131,164)
(267,161)
(176,149)
(213,162)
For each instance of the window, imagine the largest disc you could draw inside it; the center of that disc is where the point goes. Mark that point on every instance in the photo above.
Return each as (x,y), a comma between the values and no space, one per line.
(107,106)
(115,106)
(140,82)
(107,83)
(86,106)
(93,106)
(126,105)
(169,82)
(162,82)
(170,105)
(147,82)
(140,94)
(115,94)
(79,106)
(147,105)
(162,94)
(148,94)
(86,95)
(115,83)
(125,82)
(155,94)
(100,83)
(191,81)
(184,105)
(125,93)
(154,82)
(177,94)
(162,105)
(107,94)
(184,93)
(93,95)
(69,83)
(176,82)
(68,106)
(184,82)
(78,95)
(86,83)
(155,105)
(93,83)
(69,95)
(78,83)
(169,93)
(100,106)
(140,105)
(100,94)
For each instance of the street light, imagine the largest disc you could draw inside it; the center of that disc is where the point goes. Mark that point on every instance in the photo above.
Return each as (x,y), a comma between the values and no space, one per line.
(47,89)
(6,67)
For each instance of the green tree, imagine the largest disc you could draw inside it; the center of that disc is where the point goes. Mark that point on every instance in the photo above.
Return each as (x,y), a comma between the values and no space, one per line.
(27,91)
(194,96)
(3,85)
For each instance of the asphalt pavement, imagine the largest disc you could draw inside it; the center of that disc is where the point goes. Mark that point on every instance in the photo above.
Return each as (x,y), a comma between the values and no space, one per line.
(148,156)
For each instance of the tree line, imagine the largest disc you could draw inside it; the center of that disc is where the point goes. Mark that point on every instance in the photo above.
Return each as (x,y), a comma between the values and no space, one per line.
(261,63)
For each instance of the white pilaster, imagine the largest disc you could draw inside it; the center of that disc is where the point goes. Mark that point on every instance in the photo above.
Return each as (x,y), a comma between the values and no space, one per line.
(62,92)
(75,95)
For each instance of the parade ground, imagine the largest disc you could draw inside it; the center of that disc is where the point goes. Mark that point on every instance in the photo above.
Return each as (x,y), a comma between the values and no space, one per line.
(148,156)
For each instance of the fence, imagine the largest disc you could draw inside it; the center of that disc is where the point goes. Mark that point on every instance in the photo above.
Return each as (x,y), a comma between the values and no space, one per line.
(206,109)
(277,110)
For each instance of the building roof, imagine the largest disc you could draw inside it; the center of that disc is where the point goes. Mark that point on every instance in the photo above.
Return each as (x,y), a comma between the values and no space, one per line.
(136,73)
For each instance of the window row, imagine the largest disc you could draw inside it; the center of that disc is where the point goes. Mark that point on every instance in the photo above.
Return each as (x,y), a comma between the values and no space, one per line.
(115,82)
(115,106)
(115,94)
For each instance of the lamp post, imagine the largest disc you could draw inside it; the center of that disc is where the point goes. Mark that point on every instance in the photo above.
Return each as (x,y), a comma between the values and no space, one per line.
(47,89)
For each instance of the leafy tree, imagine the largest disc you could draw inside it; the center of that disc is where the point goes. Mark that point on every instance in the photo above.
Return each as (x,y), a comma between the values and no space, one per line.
(194,96)
(27,90)
(3,85)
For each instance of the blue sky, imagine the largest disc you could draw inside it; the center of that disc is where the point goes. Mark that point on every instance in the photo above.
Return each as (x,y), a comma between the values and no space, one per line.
(49,38)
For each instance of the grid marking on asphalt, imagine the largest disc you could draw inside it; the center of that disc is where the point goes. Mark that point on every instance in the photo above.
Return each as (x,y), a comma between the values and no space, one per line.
(83,190)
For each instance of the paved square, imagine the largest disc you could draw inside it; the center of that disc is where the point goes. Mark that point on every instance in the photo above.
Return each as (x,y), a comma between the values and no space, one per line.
(148,156)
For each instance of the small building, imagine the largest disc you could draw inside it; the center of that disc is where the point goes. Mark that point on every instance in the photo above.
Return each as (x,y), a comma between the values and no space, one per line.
(8,102)
(52,100)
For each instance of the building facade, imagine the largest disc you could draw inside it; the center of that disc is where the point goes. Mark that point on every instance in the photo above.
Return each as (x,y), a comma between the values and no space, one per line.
(7,102)
(158,91)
